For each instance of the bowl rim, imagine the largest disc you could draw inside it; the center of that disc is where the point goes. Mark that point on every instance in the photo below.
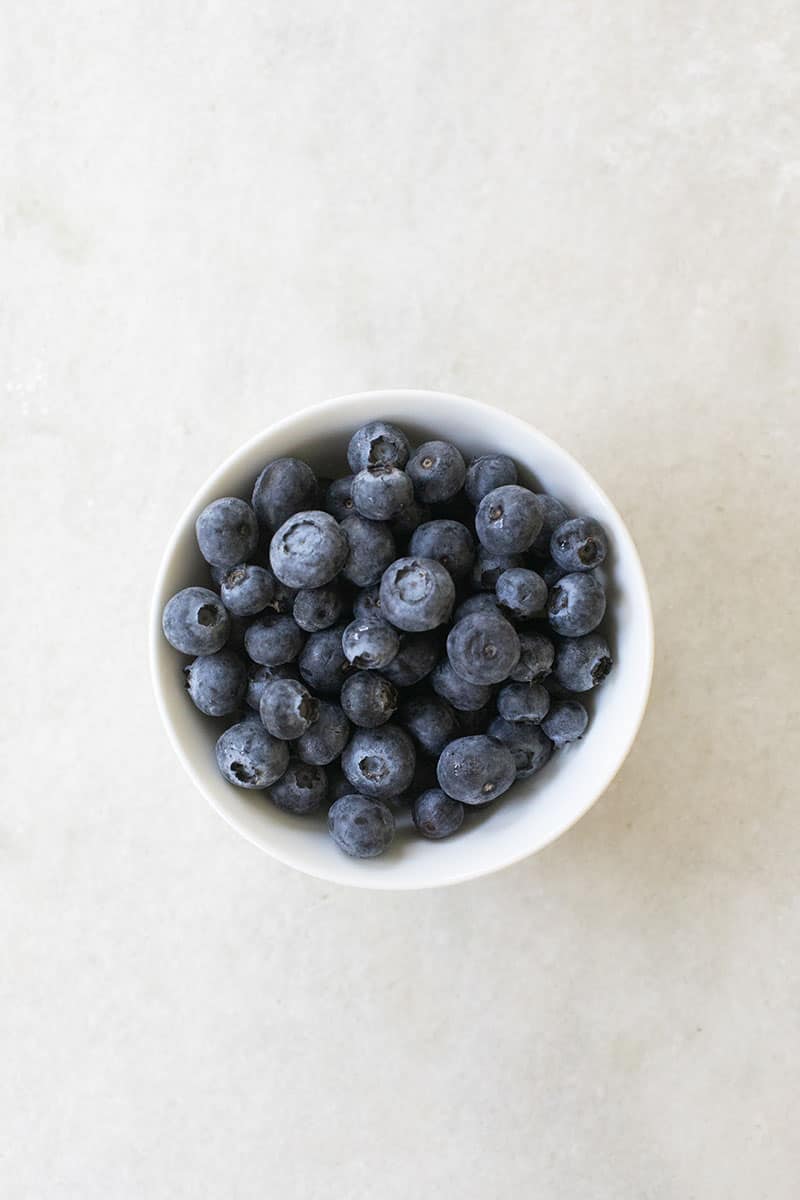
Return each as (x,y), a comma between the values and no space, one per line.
(186,519)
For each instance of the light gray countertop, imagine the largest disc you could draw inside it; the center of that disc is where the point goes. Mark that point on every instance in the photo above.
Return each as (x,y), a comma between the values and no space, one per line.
(215,214)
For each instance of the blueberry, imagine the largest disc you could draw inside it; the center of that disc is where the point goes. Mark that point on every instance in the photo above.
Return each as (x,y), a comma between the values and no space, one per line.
(579,545)
(368,699)
(529,747)
(483,648)
(283,600)
(339,499)
(566,722)
(371,549)
(287,708)
(582,663)
(508,519)
(475,720)
(480,602)
(216,682)
(416,658)
(259,676)
(227,532)
(550,572)
(195,621)
(273,639)
(322,663)
(249,757)
(449,542)
(308,550)
(326,738)
(553,514)
(409,519)
(522,592)
(577,604)
(317,608)
(367,604)
(489,567)
(487,472)
(286,486)
(436,815)
(217,574)
(377,444)
(457,691)
(475,769)
(247,589)
(370,644)
(301,789)
(380,493)
(437,471)
(536,654)
(416,594)
(431,722)
(362,828)
(379,762)
(527,702)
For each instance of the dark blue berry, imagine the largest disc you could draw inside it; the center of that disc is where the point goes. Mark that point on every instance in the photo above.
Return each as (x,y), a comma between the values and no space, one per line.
(508,520)
(227,532)
(409,519)
(326,738)
(250,757)
(381,493)
(317,608)
(308,550)
(565,722)
(368,699)
(437,471)
(480,602)
(377,444)
(339,499)
(301,789)
(379,762)
(522,592)
(367,604)
(371,549)
(579,545)
(550,572)
(287,708)
(322,663)
(449,542)
(273,639)
(536,654)
(286,486)
(553,514)
(523,702)
(457,691)
(475,720)
(416,658)
(436,815)
(577,604)
(475,769)
(259,676)
(361,827)
(338,783)
(195,621)
(529,747)
(431,722)
(247,589)
(582,663)
(370,644)
(487,472)
(216,682)
(416,594)
(489,567)
(483,648)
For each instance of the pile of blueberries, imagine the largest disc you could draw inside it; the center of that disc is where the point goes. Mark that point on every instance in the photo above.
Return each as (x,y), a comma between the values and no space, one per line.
(388,655)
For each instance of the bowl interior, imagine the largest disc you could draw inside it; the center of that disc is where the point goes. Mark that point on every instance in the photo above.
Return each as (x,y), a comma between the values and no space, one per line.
(537,810)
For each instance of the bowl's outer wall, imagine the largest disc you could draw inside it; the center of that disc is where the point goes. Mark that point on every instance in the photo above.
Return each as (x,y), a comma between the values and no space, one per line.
(536,811)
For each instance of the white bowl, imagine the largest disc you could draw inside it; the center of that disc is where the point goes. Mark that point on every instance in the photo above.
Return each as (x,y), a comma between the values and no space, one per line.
(535,811)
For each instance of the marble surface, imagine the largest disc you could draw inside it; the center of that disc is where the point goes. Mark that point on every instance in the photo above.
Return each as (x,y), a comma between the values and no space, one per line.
(217,213)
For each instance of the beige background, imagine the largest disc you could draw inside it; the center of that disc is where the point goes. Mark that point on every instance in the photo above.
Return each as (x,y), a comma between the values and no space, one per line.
(216,213)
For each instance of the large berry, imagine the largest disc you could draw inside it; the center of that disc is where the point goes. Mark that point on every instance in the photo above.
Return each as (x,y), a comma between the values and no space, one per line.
(308,550)
(487,472)
(368,699)
(322,662)
(250,757)
(436,815)
(379,762)
(195,621)
(326,738)
(431,722)
(361,827)
(579,545)
(258,677)
(449,542)
(216,682)
(370,644)
(475,769)
(273,639)
(377,444)
(437,471)
(508,519)
(553,514)
(527,702)
(522,592)
(371,549)
(415,659)
(227,532)
(317,608)
(458,691)
(565,722)
(286,486)
(529,747)
(582,663)
(536,654)
(483,648)
(577,604)
(287,708)
(339,498)
(247,589)
(301,789)
(380,493)
(416,594)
